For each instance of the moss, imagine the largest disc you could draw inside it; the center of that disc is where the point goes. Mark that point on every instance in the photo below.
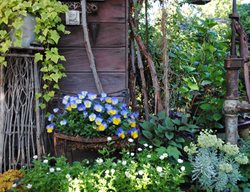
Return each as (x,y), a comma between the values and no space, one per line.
(7,179)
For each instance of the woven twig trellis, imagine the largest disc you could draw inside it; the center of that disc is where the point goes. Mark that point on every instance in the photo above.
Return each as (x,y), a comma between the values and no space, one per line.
(22,119)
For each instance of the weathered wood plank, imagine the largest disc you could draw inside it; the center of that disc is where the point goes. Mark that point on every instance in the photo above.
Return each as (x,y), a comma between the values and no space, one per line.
(108,35)
(76,82)
(106,59)
(108,11)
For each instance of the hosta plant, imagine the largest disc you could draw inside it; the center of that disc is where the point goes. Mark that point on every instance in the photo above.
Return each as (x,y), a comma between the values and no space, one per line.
(215,164)
(90,116)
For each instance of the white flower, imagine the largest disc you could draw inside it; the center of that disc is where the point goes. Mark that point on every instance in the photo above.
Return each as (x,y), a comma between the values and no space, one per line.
(159,169)
(35,157)
(99,160)
(139,149)
(58,169)
(51,170)
(183,168)
(112,171)
(150,146)
(14,185)
(141,172)
(68,176)
(145,145)
(132,162)
(114,164)
(29,186)
(87,162)
(132,154)
(109,138)
(127,174)
(106,172)
(119,161)
(130,140)
(45,161)
(163,156)
(124,163)
(180,161)
(149,156)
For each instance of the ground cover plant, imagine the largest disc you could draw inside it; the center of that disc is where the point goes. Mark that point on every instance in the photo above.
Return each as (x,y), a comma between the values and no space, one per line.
(146,171)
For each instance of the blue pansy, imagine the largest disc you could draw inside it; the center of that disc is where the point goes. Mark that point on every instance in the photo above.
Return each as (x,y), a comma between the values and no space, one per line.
(81,107)
(98,108)
(114,100)
(50,118)
(55,110)
(87,103)
(63,122)
(120,133)
(92,117)
(92,96)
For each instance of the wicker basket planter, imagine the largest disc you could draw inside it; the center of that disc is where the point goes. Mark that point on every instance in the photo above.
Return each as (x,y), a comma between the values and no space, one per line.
(65,143)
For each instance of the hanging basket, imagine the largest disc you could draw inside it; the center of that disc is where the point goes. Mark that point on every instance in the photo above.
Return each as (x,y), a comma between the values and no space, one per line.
(64,143)
(199,2)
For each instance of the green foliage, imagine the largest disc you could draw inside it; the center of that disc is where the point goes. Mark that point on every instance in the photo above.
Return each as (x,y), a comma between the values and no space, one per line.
(244,13)
(215,164)
(48,29)
(166,133)
(142,173)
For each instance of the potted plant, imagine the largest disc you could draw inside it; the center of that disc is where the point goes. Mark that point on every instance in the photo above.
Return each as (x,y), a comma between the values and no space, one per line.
(92,120)
(48,27)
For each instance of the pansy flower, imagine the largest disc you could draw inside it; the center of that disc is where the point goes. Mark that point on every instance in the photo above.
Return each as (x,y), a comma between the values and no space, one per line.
(73,104)
(116,120)
(63,122)
(55,110)
(82,95)
(85,114)
(102,127)
(92,96)
(78,101)
(134,133)
(98,120)
(98,108)
(114,100)
(68,107)
(124,113)
(81,107)
(65,100)
(108,100)
(50,128)
(134,115)
(108,106)
(112,111)
(87,103)
(120,133)
(51,117)
(92,117)
(132,123)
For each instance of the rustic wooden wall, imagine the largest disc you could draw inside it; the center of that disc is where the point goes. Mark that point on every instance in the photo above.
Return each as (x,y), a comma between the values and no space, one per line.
(109,48)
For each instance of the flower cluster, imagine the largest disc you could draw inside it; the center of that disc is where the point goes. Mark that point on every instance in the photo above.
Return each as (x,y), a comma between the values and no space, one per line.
(91,116)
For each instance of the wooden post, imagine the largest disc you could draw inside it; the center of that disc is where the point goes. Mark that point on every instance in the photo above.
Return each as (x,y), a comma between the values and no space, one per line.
(38,113)
(2,103)
(89,50)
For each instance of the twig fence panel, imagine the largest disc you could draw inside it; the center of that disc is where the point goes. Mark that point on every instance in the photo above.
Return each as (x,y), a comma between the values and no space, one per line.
(22,129)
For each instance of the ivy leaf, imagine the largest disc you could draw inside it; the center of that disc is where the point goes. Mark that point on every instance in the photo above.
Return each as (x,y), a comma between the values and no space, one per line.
(217,116)
(38,95)
(38,57)
(205,106)
(55,77)
(54,36)
(169,135)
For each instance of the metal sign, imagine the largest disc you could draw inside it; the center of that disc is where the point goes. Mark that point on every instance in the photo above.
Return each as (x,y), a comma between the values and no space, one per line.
(73,17)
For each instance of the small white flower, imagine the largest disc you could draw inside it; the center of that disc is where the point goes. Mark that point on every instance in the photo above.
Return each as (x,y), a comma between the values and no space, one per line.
(45,161)
(109,138)
(183,168)
(35,157)
(162,157)
(112,171)
(119,161)
(180,161)
(159,169)
(114,164)
(124,163)
(87,162)
(106,172)
(58,169)
(139,149)
(145,145)
(68,176)
(149,156)
(150,146)
(29,186)
(130,140)
(51,170)
(99,160)
(132,154)
(141,172)
(132,162)
(14,185)
(127,174)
